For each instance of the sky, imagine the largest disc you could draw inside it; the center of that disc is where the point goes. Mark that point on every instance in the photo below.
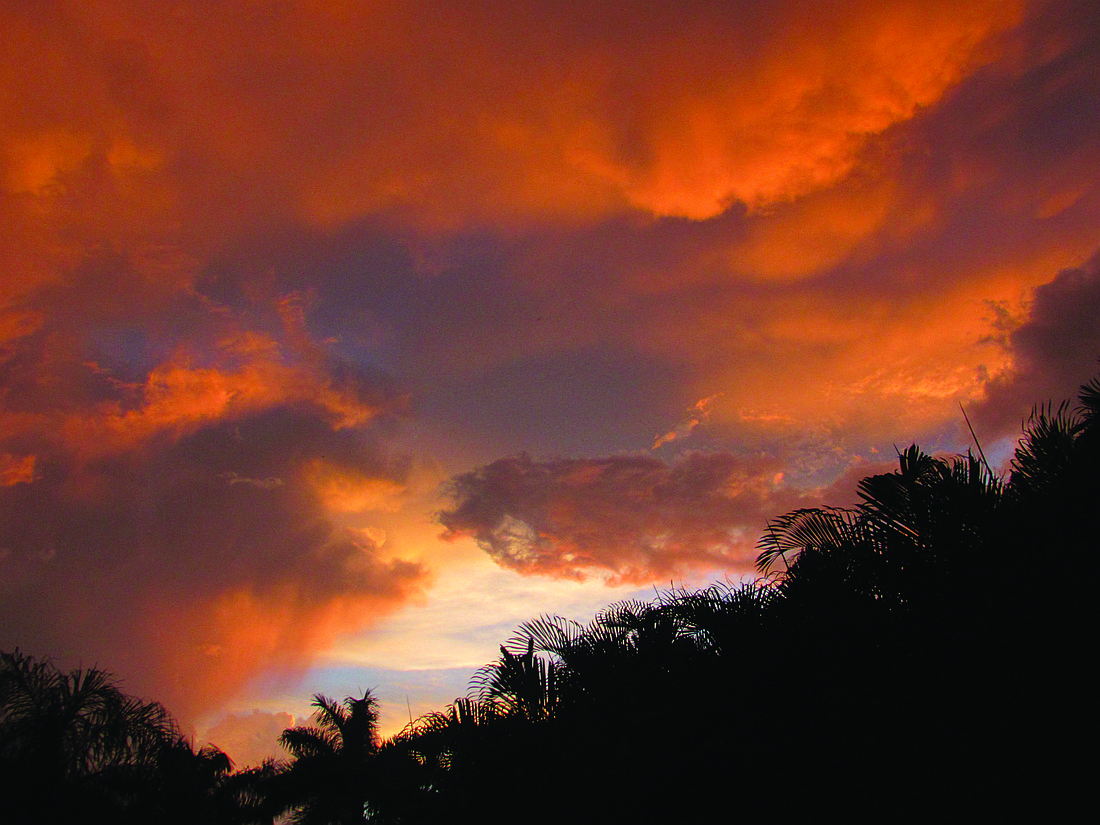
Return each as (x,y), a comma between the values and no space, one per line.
(339,338)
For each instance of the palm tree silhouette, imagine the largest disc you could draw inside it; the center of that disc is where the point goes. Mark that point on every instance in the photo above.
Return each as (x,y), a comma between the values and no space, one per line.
(90,753)
(328,779)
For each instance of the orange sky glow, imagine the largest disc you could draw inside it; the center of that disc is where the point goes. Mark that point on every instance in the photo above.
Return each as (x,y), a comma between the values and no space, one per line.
(337,338)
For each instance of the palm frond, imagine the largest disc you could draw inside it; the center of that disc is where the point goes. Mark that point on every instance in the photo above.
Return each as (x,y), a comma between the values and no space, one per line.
(1046,451)
(550,634)
(787,536)
(721,616)
(525,684)
(309,742)
(1089,398)
(330,714)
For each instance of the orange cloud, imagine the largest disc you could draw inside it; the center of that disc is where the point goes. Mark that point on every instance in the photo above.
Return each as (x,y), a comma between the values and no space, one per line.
(187,490)
(346,490)
(549,110)
(699,413)
(16,470)
(249,738)
(199,652)
(205,572)
(821,231)
(769,124)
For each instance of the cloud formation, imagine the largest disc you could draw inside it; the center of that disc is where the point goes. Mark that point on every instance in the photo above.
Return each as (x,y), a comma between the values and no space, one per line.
(173,513)
(627,518)
(1055,349)
(241,243)
(480,112)
(250,738)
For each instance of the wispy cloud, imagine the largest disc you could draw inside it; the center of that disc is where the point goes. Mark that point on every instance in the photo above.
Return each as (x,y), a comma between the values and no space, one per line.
(258,483)
(695,416)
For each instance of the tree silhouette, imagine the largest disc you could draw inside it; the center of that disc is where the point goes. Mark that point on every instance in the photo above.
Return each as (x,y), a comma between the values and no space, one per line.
(521,684)
(339,772)
(89,753)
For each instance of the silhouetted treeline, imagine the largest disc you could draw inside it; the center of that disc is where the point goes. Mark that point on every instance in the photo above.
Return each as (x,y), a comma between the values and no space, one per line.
(920,656)
(76,749)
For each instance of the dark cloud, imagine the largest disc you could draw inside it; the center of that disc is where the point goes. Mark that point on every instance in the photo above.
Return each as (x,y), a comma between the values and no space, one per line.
(629,518)
(1054,351)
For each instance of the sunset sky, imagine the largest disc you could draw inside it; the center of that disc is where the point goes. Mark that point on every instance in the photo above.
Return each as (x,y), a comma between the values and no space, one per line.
(338,338)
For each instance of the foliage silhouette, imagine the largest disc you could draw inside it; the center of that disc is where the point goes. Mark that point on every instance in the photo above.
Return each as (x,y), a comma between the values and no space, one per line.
(325,782)
(87,752)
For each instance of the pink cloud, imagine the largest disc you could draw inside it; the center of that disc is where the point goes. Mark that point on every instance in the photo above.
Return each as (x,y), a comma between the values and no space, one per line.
(628,518)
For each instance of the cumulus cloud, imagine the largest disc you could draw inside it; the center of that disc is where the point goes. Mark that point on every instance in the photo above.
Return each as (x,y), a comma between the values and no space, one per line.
(627,518)
(186,583)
